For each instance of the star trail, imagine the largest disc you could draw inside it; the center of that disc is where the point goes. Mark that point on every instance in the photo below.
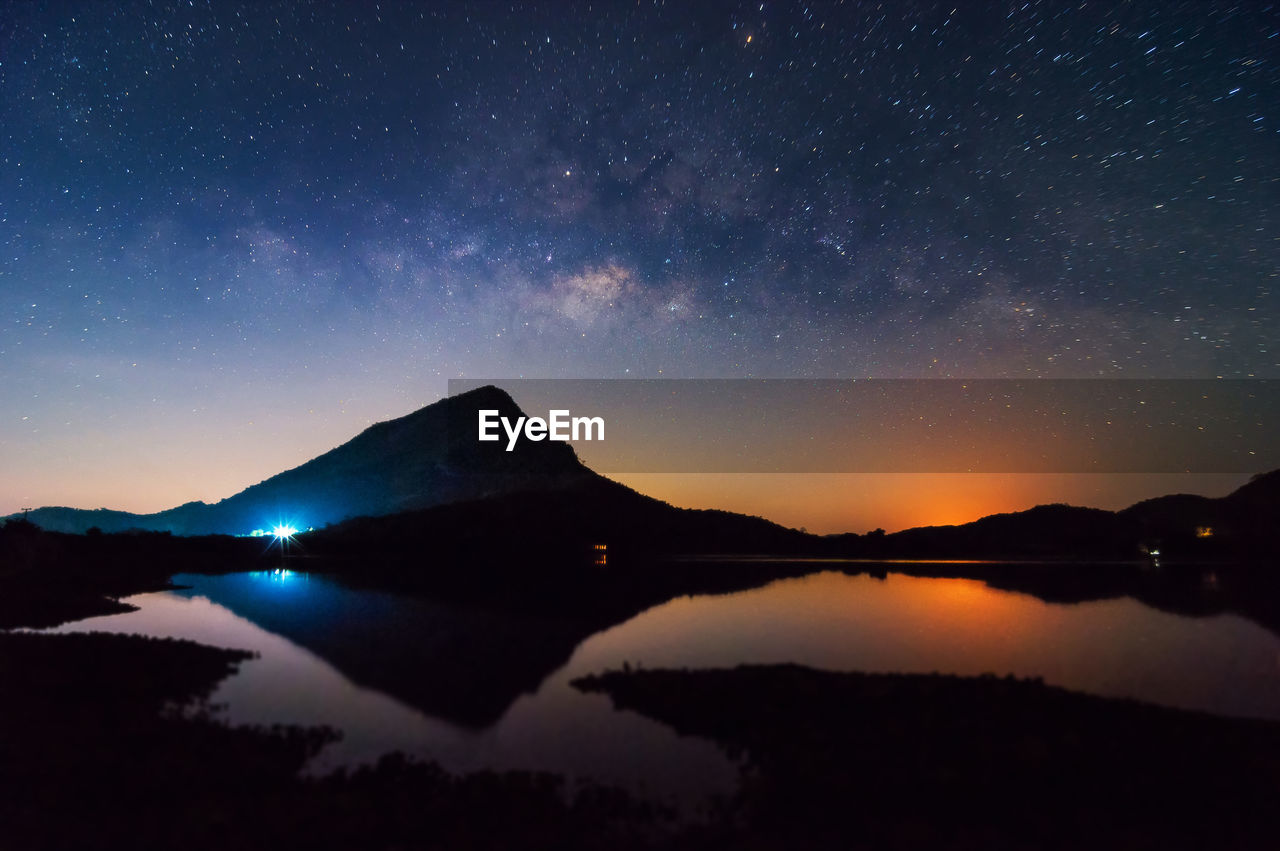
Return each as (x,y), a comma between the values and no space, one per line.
(233,234)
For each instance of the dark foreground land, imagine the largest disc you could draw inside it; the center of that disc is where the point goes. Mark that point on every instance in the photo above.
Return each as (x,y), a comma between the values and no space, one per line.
(94,754)
(105,742)
(849,760)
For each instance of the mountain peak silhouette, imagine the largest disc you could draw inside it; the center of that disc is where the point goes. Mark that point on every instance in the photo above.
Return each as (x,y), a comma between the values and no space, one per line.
(425,458)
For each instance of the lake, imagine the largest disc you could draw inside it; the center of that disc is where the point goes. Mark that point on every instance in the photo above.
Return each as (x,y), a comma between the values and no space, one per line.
(1119,647)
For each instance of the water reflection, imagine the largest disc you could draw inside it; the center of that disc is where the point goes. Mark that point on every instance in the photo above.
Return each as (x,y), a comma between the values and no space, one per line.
(317,640)
(284,684)
(558,729)
(462,663)
(1117,648)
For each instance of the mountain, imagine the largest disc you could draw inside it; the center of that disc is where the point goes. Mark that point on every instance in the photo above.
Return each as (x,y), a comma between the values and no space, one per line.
(426,458)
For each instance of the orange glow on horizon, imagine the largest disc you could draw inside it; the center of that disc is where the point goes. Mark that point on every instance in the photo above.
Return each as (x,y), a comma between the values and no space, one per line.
(829,503)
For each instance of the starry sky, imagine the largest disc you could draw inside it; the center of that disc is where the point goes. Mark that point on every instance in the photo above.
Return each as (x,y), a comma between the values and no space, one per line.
(232,235)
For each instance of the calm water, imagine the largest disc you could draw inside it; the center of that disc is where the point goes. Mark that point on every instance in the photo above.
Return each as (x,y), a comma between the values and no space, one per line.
(1223,664)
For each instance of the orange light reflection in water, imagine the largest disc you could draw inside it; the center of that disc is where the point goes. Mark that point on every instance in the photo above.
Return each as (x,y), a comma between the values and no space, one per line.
(955,625)
(1117,647)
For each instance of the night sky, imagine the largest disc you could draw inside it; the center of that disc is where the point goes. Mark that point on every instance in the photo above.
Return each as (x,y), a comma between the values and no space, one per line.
(235,234)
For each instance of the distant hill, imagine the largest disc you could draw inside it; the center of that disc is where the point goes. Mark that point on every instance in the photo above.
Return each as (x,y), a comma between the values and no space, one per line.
(1189,526)
(426,458)
(1043,531)
(1248,517)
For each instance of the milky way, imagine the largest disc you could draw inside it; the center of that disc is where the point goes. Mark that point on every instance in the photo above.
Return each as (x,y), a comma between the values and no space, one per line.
(227,226)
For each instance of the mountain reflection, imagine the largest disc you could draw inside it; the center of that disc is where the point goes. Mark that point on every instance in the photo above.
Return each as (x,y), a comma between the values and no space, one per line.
(463,664)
